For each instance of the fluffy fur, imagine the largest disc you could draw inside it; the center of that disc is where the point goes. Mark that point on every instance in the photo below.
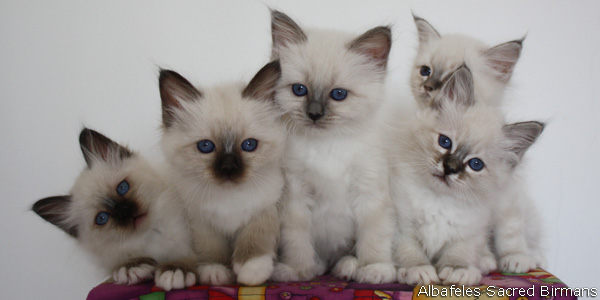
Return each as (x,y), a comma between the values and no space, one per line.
(446,208)
(145,232)
(492,67)
(230,194)
(336,212)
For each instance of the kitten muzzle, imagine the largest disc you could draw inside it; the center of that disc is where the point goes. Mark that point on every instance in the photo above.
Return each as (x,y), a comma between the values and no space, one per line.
(432,83)
(315,110)
(452,165)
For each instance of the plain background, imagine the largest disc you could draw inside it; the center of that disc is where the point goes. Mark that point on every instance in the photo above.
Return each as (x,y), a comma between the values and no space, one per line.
(65,64)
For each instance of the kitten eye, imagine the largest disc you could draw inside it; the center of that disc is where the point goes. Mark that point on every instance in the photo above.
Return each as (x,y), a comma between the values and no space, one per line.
(476,164)
(206,146)
(123,188)
(425,71)
(102,218)
(445,142)
(338,94)
(249,145)
(299,89)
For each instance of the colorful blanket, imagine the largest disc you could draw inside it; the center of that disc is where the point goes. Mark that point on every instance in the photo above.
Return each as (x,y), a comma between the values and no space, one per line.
(537,284)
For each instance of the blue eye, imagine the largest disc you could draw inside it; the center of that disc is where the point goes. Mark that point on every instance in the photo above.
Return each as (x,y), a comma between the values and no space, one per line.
(249,145)
(123,188)
(338,94)
(445,142)
(206,146)
(476,164)
(299,89)
(425,71)
(102,218)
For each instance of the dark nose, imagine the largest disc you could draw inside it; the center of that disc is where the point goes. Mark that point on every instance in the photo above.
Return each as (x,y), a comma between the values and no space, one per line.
(124,209)
(229,164)
(431,84)
(315,110)
(451,166)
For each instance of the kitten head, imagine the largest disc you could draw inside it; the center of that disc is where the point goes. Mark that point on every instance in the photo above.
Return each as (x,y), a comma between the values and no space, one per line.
(111,202)
(463,148)
(225,136)
(439,56)
(330,80)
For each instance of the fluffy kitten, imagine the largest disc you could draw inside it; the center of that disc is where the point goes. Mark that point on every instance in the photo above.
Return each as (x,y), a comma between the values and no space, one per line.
(439,56)
(453,183)
(225,145)
(121,211)
(336,210)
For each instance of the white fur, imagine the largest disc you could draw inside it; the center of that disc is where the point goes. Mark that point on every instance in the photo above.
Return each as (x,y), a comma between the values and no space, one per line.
(215,274)
(254,271)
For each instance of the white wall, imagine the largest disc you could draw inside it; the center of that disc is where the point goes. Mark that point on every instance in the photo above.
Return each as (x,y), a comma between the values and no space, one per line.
(65,64)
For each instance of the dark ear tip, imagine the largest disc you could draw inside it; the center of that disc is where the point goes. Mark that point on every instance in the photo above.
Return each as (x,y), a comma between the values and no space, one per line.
(164,74)
(85,135)
(417,18)
(277,15)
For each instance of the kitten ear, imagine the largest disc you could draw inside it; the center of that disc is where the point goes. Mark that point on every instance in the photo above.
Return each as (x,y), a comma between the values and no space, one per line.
(458,88)
(284,31)
(262,86)
(96,146)
(174,89)
(520,136)
(375,44)
(426,32)
(55,210)
(503,58)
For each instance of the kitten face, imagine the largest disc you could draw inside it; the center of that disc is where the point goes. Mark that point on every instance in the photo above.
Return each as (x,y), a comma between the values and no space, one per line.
(225,135)
(112,200)
(439,56)
(330,81)
(464,149)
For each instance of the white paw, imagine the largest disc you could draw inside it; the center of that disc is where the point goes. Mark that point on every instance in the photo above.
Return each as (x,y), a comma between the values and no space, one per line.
(345,267)
(254,271)
(517,263)
(487,264)
(174,279)
(376,273)
(460,276)
(419,275)
(133,275)
(215,274)
(284,272)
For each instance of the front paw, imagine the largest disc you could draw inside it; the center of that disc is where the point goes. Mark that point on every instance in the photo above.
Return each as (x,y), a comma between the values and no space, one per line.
(345,267)
(174,277)
(215,274)
(254,271)
(284,272)
(376,273)
(135,272)
(419,275)
(517,263)
(460,276)
(487,264)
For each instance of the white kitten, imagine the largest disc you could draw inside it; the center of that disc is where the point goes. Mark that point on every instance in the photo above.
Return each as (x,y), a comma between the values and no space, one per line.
(453,183)
(438,56)
(225,146)
(122,212)
(336,210)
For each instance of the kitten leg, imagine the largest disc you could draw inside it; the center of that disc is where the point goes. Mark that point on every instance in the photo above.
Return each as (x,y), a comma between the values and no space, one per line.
(459,263)
(346,267)
(176,275)
(487,262)
(135,271)
(255,248)
(212,250)
(375,232)
(414,266)
(298,259)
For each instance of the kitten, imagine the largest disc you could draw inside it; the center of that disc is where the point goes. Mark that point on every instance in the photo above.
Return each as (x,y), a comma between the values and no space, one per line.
(122,212)
(336,210)
(439,56)
(225,145)
(453,183)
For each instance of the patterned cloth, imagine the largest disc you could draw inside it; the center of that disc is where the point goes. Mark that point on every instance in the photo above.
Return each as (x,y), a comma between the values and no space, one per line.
(537,284)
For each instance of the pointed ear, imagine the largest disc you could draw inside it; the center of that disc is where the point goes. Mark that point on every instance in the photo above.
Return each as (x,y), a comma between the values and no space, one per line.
(520,136)
(503,58)
(96,146)
(375,44)
(262,86)
(426,32)
(55,210)
(458,88)
(174,89)
(284,32)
